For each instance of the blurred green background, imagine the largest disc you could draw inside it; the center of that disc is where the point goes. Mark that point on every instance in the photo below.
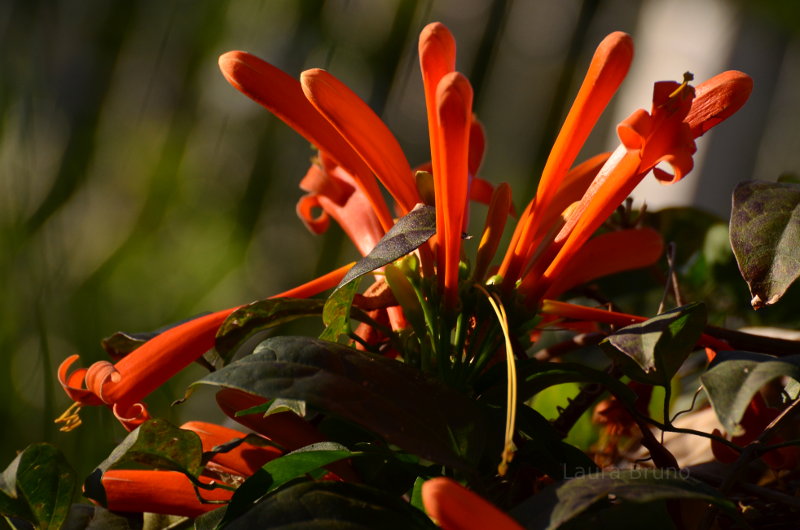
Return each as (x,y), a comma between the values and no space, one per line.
(138,188)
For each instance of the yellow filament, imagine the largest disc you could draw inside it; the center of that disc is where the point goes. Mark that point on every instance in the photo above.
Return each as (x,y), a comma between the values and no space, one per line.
(70,418)
(687,76)
(511,373)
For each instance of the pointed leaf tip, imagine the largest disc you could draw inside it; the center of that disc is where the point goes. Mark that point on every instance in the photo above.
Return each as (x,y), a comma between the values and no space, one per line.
(410,232)
(764,232)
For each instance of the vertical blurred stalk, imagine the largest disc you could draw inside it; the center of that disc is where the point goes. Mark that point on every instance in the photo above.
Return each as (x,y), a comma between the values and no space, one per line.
(488,47)
(561,94)
(86,105)
(198,40)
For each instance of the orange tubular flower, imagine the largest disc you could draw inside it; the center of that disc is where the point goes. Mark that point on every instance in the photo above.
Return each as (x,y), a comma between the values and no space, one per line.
(364,131)
(165,492)
(286,429)
(334,190)
(607,70)
(666,135)
(282,95)
(581,313)
(454,507)
(123,385)
(454,111)
(243,460)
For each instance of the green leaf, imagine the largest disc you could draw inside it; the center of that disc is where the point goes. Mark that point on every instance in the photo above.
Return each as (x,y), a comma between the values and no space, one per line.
(387,397)
(545,449)
(410,231)
(156,444)
(38,486)
(281,471)
(305,460)
(336,314)
(246,326)
(765,236)
(533,376)
(652,351)
(92,517)
(332,506)
(735,377)
(577,495)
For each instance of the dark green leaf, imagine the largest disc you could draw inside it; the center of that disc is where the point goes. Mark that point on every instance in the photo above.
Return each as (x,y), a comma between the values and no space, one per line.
(577,495)
(210,520)
(332,506)
(765,236)
(546,450)
(156,444)
(92,517)
(406,235)
(247,325)
(385,396)
(734,379)
(336,314)
(652,352)
(38,486)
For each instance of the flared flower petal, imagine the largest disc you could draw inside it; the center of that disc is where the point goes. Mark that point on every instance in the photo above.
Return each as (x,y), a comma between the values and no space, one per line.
(333,190)
(663,135)
(454,507)
(136,375)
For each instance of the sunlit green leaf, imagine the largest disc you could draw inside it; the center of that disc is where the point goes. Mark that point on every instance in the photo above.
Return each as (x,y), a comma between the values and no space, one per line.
(734,379)
(246,326)
(765,236)
(534,376)
(387,397)
(38,486)
(156,444)
(336,314)
(652,351)
(281,471)
(406,235)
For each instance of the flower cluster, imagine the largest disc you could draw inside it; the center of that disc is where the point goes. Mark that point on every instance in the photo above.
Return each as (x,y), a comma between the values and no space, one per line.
(449,315)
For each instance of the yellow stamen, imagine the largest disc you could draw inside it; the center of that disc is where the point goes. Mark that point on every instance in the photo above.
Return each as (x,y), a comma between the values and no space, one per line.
(70,418)
(511,373)
(687,77)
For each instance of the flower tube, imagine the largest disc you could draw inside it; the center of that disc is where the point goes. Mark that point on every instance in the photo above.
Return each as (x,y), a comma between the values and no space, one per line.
(123,385)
